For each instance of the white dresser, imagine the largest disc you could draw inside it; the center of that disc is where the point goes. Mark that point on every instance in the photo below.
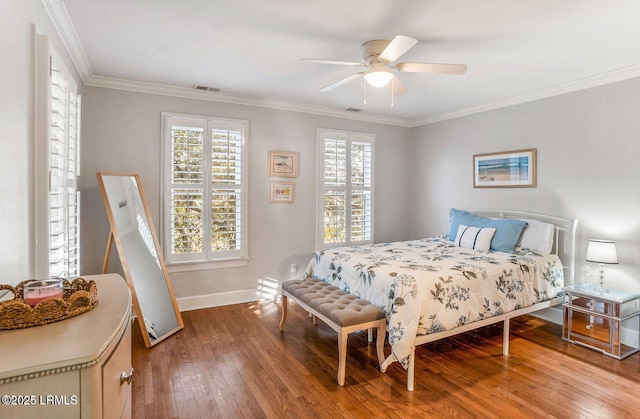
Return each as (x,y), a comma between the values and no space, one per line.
(75,368)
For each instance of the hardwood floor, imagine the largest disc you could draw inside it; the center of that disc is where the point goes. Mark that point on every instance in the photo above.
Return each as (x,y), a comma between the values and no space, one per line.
(233,362)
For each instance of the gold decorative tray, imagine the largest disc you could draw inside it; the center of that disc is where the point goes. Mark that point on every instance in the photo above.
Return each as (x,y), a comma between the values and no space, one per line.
(78,297)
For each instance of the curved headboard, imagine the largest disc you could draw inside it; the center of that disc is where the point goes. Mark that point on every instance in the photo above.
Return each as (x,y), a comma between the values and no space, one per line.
(564,241)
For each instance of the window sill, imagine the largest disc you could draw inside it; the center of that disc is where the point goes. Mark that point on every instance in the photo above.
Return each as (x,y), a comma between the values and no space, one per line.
(343,244)
(208,265)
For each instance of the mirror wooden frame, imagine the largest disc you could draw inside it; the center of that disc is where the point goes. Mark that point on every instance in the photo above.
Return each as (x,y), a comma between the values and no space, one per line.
(115,238)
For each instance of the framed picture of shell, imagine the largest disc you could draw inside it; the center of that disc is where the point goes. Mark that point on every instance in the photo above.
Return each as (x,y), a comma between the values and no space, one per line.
(283,163)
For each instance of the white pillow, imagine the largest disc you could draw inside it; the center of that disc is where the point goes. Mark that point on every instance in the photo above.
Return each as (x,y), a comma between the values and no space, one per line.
(474,237)
(537,236)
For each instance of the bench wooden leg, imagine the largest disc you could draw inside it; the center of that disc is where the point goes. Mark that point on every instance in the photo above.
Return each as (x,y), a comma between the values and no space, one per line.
(284,312)
(343,337)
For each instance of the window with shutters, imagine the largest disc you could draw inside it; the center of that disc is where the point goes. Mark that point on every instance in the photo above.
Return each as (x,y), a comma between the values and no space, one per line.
(57,166)
(345,188)
(204,203)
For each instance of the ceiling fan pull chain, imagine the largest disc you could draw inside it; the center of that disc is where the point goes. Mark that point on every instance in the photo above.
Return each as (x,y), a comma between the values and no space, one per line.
(364,91)
(392,83)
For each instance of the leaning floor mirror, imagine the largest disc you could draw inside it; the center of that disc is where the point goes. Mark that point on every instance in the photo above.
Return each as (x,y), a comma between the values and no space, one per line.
(140,254)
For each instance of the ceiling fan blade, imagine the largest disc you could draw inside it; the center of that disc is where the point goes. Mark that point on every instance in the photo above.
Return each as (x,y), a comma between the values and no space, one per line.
(398,87)
(341,82)
(398,46)
(318,61)
(432,68)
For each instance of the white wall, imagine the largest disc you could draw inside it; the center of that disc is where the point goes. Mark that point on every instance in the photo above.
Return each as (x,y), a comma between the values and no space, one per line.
(121,132)
(16,134)
(588,146)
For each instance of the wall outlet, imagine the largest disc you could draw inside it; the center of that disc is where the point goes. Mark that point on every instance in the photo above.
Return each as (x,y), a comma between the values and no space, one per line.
(293,272)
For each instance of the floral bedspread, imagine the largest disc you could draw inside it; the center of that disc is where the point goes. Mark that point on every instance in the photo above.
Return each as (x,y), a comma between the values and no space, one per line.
(431,285)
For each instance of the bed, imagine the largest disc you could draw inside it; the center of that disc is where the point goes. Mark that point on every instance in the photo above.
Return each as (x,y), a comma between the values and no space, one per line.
(491,266)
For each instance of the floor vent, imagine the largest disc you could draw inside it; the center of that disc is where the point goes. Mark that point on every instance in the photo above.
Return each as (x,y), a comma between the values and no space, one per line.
(206,88)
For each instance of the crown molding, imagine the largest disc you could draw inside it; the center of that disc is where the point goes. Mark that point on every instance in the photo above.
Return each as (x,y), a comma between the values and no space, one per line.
(61,21)
(560,89)
(189,93)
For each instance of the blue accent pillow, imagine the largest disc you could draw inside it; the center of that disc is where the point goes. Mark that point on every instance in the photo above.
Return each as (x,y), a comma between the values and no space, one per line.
(457,217)
(507,234)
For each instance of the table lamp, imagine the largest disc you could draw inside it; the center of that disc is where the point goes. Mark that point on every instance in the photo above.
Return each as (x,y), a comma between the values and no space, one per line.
(602,251)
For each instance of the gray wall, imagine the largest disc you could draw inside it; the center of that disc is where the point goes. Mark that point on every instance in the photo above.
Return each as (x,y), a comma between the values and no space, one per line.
(588,146)
(121,132)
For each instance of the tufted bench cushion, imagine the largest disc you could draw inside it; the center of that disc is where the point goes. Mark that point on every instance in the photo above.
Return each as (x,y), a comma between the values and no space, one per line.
(344,309)
(343,312)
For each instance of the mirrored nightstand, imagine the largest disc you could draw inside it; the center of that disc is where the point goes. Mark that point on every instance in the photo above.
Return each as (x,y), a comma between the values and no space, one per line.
(607,322)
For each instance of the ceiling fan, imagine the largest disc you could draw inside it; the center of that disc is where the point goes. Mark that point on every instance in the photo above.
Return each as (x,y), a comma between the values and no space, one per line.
(378,56)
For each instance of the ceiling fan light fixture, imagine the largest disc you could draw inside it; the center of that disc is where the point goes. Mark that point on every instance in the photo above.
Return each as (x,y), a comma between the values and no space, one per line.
(378,76)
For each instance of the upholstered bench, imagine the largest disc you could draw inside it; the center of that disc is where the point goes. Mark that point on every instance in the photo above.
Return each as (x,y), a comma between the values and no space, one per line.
(343,312)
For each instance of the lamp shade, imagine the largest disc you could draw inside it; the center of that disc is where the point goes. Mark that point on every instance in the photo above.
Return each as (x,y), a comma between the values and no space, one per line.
(602,251)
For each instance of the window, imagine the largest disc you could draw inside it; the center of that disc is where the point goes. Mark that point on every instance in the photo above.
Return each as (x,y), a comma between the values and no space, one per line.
(204,211)
(345,188)
(57,166)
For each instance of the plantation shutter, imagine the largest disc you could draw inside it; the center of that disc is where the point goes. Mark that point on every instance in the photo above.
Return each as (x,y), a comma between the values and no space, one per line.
(226,189)
(361,176)
(346,188)
(205,165)
(187,233)
(64,169)
(335,190)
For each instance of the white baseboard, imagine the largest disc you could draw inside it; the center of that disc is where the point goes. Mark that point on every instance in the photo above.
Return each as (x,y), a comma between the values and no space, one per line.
(219,299)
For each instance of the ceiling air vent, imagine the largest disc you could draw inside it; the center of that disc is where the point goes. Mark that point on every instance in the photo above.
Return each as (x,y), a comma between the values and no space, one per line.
(353,109)
(206,88)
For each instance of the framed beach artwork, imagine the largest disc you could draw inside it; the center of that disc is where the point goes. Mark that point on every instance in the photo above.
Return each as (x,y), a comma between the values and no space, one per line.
(507,169)
(283,163)
(282,192)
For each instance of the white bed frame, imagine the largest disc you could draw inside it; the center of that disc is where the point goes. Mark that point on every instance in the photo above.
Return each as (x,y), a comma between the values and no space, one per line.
(564,245)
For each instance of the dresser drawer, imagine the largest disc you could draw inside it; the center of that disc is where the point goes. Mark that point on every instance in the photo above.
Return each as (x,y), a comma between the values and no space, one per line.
(595,305)
(116,392)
